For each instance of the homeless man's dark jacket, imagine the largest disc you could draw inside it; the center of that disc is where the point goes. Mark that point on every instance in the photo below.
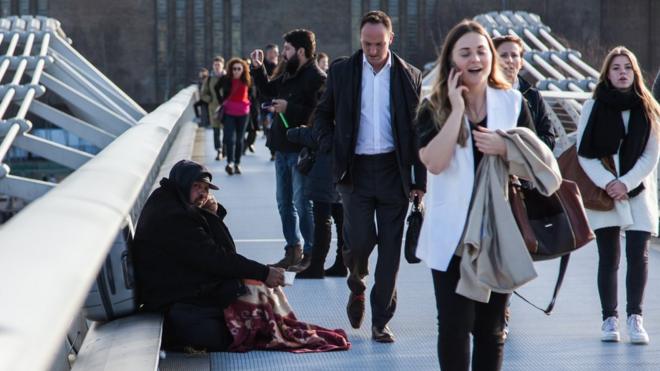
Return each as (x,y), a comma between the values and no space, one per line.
(186,254)
(338,114)
(300,90)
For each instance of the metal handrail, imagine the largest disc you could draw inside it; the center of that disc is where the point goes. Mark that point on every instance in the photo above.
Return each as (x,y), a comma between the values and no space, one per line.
(46,275)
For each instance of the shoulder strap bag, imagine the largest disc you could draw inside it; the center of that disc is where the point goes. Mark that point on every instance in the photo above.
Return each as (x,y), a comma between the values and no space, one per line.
(552,227)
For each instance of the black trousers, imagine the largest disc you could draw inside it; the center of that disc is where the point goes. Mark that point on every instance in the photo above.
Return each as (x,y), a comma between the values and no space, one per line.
(197,326)
(324,213)
(217,138)
(376,190)
(458,317)
(637,256)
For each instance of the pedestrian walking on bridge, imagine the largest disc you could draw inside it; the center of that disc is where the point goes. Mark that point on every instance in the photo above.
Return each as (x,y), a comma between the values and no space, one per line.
(368,108)
(295,92)
(618,149)
(457,126)
(209,95)
(233,91)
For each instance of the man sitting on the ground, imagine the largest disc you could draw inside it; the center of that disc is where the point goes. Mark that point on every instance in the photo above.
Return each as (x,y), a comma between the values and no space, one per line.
(187,268)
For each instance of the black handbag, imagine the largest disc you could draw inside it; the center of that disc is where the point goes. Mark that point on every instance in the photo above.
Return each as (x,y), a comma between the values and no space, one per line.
(551,227)
(415,220)
(306,159)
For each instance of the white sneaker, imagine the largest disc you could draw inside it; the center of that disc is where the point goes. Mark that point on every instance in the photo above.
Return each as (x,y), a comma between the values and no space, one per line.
(610,330)
(636,330)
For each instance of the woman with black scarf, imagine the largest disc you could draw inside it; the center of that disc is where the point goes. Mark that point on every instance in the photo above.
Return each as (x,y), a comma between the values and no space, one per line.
(618,149)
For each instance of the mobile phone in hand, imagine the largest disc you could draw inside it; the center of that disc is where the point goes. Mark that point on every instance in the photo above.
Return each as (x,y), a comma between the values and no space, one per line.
(453,66)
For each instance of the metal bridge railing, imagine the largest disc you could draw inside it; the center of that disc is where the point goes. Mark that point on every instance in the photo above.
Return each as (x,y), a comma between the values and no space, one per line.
(51,251)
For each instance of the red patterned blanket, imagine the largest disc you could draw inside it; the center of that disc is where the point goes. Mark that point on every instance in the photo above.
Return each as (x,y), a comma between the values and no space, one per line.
(264,320)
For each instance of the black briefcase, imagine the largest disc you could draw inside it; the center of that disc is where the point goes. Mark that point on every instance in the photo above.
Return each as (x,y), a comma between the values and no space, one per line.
(415,220)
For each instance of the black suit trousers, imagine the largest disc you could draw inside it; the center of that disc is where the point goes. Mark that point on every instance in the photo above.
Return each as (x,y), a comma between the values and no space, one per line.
(375,192)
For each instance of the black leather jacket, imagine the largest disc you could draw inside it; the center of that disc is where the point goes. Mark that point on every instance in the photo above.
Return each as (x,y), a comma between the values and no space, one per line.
(542,123)
(301,91)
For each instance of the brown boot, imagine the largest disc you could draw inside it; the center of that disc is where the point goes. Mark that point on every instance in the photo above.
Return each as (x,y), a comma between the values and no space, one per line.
(302,265)
(292,256)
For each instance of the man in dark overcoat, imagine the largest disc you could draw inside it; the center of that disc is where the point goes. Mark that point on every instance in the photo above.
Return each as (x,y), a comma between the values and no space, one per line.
(369,106)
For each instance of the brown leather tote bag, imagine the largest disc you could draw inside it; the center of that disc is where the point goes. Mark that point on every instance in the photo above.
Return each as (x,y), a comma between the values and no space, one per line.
(594,198)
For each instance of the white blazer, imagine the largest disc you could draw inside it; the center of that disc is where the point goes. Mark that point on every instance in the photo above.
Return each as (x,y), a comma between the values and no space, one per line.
(639,213)
(449,193)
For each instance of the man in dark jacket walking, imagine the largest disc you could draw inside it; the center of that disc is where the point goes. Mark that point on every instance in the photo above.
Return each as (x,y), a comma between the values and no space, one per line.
(186,262)
(296,92)
(368,106)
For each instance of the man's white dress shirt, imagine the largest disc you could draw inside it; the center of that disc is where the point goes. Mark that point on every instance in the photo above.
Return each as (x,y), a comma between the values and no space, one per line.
(375,130)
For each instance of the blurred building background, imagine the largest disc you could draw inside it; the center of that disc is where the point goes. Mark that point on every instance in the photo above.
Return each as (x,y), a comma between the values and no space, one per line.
(153,48)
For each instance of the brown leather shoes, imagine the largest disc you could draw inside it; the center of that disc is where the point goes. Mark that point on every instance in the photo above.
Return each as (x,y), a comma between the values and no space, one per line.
(382,334)
(355,309)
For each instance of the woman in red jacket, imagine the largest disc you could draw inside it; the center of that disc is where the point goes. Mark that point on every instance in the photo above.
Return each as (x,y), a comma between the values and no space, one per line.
(233,90)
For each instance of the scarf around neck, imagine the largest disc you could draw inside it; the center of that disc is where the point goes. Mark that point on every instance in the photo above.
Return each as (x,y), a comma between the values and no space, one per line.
(605,133)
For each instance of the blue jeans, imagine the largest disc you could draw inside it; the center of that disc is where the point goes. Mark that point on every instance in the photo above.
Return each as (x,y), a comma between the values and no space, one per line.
(234,133)
(295,209)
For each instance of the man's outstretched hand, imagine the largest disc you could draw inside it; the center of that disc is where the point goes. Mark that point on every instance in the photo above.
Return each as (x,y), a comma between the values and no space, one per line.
(275,277)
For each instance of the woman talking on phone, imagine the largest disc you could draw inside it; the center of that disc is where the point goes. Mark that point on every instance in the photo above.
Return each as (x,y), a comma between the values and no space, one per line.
(619,126)
(456,126)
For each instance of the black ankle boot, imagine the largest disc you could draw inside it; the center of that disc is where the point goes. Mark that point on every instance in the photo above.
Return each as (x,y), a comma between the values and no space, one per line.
(338,269)
(315,270)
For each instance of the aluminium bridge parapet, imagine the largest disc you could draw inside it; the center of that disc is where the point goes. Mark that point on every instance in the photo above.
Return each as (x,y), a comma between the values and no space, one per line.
(45,276)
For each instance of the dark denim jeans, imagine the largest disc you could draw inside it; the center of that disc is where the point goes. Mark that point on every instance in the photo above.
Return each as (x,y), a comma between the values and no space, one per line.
(295,209)
(234,133)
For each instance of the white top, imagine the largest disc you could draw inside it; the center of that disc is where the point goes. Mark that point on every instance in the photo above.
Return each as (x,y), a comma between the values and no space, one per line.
(639,213)
(375,130)
(449,193)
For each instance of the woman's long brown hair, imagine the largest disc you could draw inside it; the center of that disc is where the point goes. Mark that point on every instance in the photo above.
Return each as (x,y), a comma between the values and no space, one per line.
(245,76)
(650,105)
(438,101)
